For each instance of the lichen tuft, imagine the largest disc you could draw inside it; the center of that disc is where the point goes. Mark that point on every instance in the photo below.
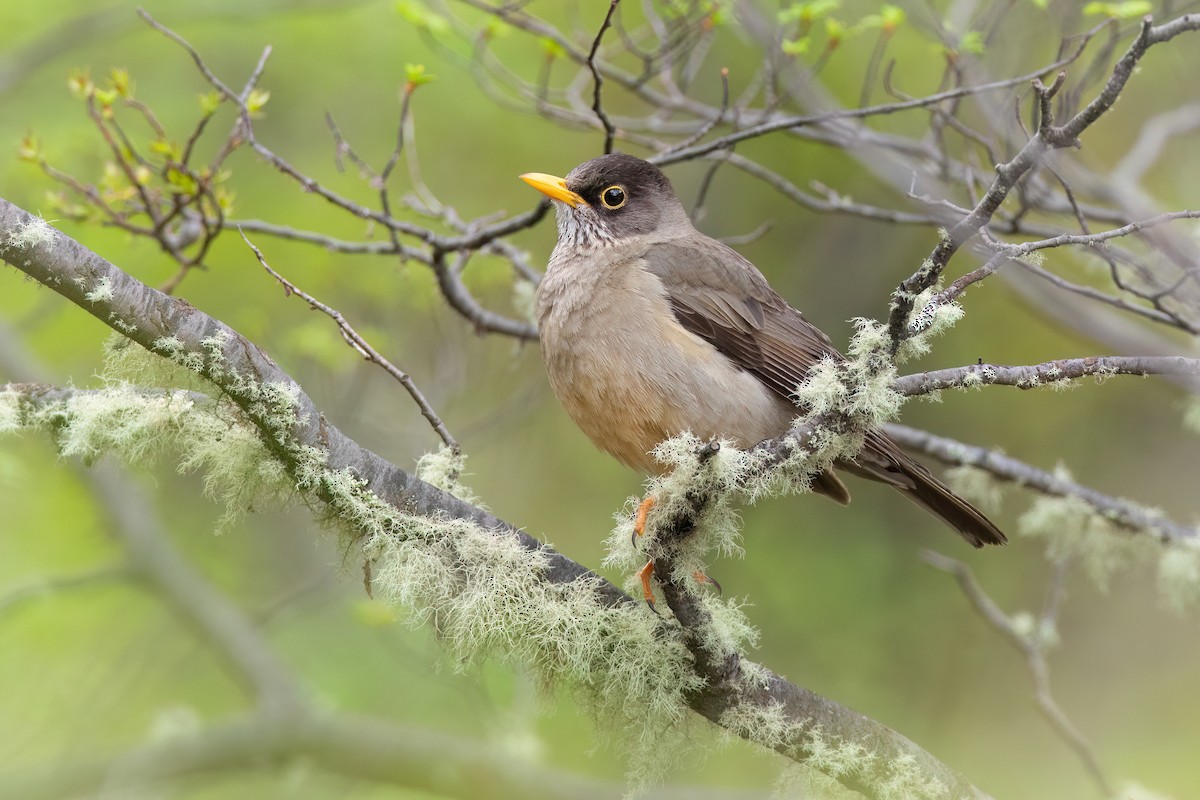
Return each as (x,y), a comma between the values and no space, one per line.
(976,485)
(1179,575)
(444,469)
(1074,532)
(29,235)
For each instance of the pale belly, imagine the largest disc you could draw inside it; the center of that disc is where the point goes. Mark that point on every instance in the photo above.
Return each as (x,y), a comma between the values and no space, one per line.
(630,386)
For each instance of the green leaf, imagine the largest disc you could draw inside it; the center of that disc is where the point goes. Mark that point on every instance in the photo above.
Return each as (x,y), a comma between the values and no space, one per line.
(166,148)
(421,17)
(80,84)
(836,30)
(256,100)
(551,48)
(795,47)
(1125,10)
(210,102)
(971,42)
(808,13)
(415,75)
(119,78)
(30,149)
(181,181)
(892,17)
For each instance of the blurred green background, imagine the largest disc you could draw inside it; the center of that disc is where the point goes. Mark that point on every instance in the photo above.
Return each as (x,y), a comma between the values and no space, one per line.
(844,604)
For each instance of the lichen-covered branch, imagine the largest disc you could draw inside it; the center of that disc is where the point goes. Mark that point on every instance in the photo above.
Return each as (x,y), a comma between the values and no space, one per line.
(1050,373)
(494,588)
(1124,513)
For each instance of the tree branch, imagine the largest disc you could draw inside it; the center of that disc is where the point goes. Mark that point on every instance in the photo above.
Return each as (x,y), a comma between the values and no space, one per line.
(219,354)
(1124,513)
(1049,372)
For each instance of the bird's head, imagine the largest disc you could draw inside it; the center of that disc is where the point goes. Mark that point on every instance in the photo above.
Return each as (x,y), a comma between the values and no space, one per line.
(609,199)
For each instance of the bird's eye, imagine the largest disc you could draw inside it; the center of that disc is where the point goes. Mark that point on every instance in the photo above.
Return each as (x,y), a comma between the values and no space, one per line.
(613,197)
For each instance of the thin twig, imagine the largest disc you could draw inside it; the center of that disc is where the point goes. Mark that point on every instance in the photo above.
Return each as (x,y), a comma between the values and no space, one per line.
(1119,511)
(1032,646)
(610,131)
(362,347)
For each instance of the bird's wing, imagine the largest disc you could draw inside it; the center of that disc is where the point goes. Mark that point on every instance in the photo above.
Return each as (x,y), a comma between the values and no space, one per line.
(721,297)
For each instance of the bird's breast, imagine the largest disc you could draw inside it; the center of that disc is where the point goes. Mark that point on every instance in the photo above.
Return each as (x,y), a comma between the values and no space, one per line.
(630,375)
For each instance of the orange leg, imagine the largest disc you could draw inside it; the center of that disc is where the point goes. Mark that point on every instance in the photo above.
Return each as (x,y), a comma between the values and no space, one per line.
(643,511)
(647,593)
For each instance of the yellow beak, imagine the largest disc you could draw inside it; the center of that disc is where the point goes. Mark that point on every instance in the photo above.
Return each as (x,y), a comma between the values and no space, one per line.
(553,187)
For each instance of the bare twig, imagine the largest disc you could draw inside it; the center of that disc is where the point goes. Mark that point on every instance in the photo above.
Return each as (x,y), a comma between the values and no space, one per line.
(12,598)
(363,348)
(598,79)
(1032,645)
(1008,174)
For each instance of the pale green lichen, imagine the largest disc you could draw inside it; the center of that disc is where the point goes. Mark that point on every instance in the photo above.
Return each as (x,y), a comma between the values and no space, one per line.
(870,375)
(934,320)
(768,724)
(1179,575)
(1135,791)
(906,780)
(901,778)
(1061,384)
(1039,631)
(444,469)
(173,349)
(10,411)
(1191,415)
(717,530)
(1074,532)
(121,325)
(834,756)
(823,389)
(484,593)
(137,426)
(976,379)
(802,781)
(1104,373)
(101,292)
(31,234)
(976,485)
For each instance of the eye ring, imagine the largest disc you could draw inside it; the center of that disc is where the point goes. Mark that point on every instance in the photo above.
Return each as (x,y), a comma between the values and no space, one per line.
(613,197)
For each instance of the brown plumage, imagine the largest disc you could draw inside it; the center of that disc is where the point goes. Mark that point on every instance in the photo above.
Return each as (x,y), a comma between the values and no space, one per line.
(650,328)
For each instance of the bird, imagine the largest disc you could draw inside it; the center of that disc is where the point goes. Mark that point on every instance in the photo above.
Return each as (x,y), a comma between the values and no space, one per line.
(649,328)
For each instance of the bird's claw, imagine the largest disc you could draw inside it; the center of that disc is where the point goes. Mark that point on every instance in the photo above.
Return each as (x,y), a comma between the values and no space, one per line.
(700,577)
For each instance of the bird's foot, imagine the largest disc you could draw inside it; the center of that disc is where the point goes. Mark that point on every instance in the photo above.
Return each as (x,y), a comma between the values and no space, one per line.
(639,518)
(648,593)
(645,573)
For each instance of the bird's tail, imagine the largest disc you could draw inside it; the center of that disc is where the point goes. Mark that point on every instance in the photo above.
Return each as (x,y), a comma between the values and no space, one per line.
(882,459)
(934,496)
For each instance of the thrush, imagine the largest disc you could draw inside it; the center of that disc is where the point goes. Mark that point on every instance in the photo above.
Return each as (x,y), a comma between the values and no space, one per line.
(649,328)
